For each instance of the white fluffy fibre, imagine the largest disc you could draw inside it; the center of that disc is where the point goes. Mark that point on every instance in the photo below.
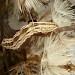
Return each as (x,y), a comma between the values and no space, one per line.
(39,7)
(29,4)
(58,51)
(33,4)
(37,45)
(63,14)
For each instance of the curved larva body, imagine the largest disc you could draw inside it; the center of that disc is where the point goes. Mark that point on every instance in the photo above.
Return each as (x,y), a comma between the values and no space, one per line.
(58,50)
(27,32)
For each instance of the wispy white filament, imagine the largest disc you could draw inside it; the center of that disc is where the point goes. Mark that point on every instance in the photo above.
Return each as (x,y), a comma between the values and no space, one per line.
(63,14)
(58,51)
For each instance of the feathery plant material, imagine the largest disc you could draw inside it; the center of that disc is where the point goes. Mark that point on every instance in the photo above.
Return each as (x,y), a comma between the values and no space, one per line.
(63,14)
(53,42)
(27,5)
(58,49)
(62,10)
(29,68)
(40,8)
(59,55)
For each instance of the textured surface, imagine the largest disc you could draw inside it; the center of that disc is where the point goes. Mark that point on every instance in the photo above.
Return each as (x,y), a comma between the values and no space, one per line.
(26,32)
(49,45)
